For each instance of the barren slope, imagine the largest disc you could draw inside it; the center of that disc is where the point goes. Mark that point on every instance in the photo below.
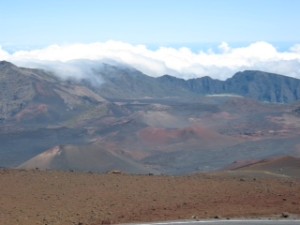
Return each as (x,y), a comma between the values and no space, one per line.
(282,166)
(93,157)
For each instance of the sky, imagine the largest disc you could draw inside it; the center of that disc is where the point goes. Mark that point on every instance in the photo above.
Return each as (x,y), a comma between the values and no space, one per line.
(188,38)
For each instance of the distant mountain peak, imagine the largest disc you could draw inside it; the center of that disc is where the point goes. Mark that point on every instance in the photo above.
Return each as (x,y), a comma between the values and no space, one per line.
(167,76)
(256,73)
(6,64)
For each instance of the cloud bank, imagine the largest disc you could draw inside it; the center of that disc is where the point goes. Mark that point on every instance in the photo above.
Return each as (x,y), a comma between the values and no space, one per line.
(181,62)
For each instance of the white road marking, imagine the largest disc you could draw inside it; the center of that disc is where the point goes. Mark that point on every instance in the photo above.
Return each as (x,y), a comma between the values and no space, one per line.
(261,221)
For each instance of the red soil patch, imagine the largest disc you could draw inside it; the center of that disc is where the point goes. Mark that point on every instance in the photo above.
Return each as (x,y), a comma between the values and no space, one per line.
(167,136)
(31,112)
(35,197)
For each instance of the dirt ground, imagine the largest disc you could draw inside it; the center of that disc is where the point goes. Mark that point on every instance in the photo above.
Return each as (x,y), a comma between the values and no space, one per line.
(63,198)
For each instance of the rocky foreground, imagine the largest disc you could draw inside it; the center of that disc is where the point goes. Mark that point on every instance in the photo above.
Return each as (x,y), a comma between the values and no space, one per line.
(50,198)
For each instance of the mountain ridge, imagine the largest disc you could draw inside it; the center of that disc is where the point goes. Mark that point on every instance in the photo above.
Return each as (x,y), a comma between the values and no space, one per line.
(255,84)
(128,83)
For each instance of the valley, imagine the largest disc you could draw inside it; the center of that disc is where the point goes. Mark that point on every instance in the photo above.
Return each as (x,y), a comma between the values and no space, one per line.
(141,133)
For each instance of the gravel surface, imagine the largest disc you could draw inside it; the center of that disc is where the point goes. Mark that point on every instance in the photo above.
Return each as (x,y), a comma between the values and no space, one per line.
(59,198)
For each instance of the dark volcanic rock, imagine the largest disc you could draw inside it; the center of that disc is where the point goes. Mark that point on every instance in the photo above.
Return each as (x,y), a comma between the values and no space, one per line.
(258,85)
(206,85)
(264,86)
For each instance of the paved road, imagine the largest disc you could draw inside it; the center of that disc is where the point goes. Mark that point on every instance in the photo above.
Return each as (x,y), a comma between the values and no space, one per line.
(228,222)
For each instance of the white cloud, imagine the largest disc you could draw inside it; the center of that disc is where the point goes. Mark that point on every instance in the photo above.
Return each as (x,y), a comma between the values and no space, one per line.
(3,54)
(180,62)
(224,47)
(296,48)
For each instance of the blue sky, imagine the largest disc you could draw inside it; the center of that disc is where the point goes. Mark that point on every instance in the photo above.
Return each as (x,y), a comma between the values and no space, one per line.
(152,22)
(185,38)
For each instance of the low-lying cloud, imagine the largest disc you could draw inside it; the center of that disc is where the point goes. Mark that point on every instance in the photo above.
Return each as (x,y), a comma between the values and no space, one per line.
(181,62)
